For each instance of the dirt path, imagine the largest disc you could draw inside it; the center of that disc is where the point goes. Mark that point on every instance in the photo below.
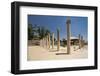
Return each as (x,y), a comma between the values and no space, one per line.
(40,53)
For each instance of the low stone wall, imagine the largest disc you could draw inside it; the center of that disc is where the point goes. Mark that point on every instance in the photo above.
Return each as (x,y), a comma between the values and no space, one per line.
(42,42)
(33,42)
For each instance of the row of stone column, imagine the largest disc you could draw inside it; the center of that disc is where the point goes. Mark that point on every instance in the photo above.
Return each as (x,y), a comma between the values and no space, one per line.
(68,24)
(46,41)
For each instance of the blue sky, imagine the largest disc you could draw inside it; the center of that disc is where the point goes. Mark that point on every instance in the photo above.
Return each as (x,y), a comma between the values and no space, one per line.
(79,25)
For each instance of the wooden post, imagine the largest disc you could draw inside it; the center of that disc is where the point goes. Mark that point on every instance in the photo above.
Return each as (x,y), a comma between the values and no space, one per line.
(58,40)
(68,34)
(52,40)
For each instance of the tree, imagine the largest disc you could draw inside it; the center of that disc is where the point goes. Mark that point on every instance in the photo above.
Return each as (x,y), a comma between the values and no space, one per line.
(30,32)
(43,32)
(37,32)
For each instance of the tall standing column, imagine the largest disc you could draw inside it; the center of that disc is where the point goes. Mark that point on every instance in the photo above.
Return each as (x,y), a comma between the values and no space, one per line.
(58,40)
(45,42)
(52,40)
(68,34)
(79,41)
(49,39)
(42,42)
